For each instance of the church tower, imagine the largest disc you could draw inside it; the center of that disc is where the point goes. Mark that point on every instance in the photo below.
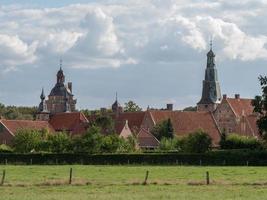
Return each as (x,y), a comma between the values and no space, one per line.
(211,92)
(43,114)
(116,107)
(61,98)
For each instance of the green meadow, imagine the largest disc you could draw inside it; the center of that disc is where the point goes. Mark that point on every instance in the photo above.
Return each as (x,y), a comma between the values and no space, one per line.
(127,182)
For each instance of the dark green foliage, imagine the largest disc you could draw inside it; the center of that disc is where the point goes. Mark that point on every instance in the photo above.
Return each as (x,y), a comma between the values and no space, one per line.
(18,112)
(105,123)
(190,108)
(27,140)
(131,106)
(213,158)
(234,141)
(196,142)
(90,142)
(260,106)
(5,149)
(163,130)
(170,144)
(110,144)
(59,142)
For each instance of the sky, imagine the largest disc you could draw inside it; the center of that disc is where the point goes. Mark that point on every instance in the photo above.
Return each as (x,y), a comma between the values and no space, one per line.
(150,51)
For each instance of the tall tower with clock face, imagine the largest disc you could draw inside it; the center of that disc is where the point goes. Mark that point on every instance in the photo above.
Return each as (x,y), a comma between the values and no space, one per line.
(211,92)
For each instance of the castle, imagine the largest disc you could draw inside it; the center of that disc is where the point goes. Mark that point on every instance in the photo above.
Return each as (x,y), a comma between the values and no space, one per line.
(215,114)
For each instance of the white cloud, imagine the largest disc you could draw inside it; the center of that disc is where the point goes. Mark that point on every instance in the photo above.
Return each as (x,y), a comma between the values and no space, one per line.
(116,33)
(13,51)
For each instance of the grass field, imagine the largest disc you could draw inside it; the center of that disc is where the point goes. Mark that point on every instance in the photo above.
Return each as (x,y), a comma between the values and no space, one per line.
(125,182)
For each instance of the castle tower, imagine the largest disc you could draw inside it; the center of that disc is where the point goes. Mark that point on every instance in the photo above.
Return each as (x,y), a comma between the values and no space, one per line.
(43,114)
(61,98)
(211,92)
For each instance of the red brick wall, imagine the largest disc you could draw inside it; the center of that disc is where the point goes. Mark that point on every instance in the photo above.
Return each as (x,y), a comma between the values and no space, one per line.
(5,136)
(225,117)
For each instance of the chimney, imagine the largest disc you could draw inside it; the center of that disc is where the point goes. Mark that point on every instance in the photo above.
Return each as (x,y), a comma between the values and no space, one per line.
(170,106)
(225,96)
(237,96)
(70,86)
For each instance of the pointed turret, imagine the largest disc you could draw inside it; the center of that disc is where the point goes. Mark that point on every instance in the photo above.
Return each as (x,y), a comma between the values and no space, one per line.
(42,106)
(43,113)
(60,74)
(211,92)
(116,107)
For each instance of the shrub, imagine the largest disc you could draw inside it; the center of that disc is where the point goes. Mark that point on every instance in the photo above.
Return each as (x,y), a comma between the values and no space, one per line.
(90,142)
(170,144)
(128,145)
(59,142)
(26,140)
(163,130)
(5,149)
(110,143)
(234,141)
(196,142)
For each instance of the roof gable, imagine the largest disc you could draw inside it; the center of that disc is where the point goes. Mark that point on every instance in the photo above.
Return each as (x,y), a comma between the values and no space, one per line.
(146,139)
(13,125)
(240,106)
(187,122)
(74,122)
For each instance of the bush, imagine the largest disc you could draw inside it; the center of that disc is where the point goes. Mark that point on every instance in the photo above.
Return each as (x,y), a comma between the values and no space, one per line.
(167,144)
(196,142)
(5,149)
(163,130)
(26,140)
(90,142)
(219,158)
(234,141)
(59,142)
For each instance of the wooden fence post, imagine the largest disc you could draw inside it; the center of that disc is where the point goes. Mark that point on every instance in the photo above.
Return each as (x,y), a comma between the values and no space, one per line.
(207,178)
(3,178)
(145,182)
(70,178)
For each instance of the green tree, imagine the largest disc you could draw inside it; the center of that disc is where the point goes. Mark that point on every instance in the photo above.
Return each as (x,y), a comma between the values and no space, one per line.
(110,143)
(197,142)
(59,142)
(235,141)
(128,145)
(163,129)
(26,140)
(90,142)
(105,123)
(169,144)
(190,108)
(131,106)
(260,106)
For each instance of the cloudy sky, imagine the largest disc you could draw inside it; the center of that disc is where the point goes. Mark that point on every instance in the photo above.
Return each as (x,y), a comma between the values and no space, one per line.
(149,51)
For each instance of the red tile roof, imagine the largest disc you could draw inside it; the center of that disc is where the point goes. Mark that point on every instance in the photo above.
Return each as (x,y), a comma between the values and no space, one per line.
(188,122)
(248,126)
(146,139)
(135,120)
(74,122)
(14,125)
(241,106)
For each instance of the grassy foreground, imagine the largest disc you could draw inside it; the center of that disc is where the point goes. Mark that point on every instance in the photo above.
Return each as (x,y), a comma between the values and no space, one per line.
(125,182)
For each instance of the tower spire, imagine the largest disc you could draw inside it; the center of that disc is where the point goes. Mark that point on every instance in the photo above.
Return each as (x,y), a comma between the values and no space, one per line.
(211,93)
(60,63)
(211,43)
(42,97)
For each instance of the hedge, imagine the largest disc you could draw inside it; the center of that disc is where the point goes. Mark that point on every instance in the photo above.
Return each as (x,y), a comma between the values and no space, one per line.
(213,158)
